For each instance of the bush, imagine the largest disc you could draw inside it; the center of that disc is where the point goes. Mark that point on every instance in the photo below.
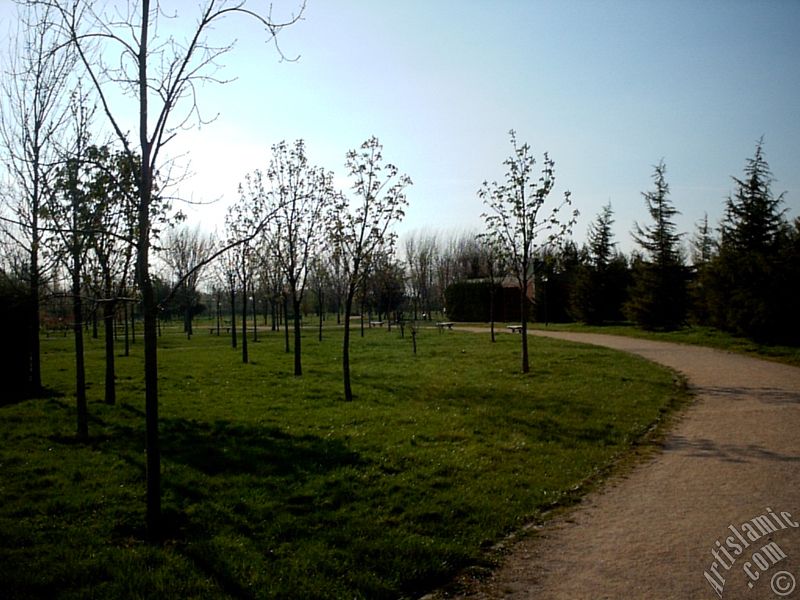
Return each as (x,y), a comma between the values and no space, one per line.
(470,300)
(15,350)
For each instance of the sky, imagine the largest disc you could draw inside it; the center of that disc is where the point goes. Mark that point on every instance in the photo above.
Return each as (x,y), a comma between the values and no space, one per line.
(607,88)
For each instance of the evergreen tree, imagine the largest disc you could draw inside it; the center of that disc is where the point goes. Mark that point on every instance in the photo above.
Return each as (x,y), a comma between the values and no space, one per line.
(659,294)
(702,243)
(600,236)
(753,219)
(601,282)
(703,246)
(748,279)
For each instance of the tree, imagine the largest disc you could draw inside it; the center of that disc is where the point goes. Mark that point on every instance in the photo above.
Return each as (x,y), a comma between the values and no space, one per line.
(515,223)
(69,209)
(359,225)
(702,243)
(300,195)
(702,247)
(243,222)
(110,203)
(225,272)
(185,251)
(659,294)
(421,250)
(320,283)
(601,280)
(385,285)
(753,219)
(33,118)
(162,76)
(495,268)
(746,292)
(14,350)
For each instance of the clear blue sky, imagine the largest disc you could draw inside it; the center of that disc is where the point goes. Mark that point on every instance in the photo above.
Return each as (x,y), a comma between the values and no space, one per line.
(607,88)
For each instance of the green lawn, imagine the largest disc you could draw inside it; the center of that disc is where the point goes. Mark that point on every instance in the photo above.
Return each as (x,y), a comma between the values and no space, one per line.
(276,488)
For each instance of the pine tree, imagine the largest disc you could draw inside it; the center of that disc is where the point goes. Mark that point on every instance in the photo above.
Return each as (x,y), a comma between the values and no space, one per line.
(703,247)
(753,219)
(746,291)
(659,294)
(600,236)
(601,282)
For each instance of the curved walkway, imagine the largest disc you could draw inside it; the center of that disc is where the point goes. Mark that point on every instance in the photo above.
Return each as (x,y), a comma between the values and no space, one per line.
(733,456)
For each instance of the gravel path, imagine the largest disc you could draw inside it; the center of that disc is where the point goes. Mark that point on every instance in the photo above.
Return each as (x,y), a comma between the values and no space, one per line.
(734,456)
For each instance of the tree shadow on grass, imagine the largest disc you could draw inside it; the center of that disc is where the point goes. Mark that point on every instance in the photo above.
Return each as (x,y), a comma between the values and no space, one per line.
(234,455)
(222,447)
(17,395)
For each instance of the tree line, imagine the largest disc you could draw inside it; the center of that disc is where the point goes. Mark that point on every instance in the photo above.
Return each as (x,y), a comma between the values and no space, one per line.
(740,277)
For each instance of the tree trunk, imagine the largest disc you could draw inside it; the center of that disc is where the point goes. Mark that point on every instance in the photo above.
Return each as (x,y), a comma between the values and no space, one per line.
(233,317)
(219,313)
(127,329)
(286,322)
(298,367)
(187,321)
(321,308)
(255,320)
(491,309)
(149,305)
(35,344)
(524,323)
(245,356)
(108,325)
(348,309)
(80,369)
(152,441)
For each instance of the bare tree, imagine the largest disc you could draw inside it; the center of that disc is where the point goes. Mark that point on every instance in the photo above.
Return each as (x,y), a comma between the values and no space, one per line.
(185,251)
(300,196)
(121,49)
(360,229)
(242,220)
(494,265)
(515,223)
(421,250)
(320,275)
(225,273)
(33,117)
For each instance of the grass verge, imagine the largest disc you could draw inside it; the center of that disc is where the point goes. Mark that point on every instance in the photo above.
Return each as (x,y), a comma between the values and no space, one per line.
(276,488)
(697,336)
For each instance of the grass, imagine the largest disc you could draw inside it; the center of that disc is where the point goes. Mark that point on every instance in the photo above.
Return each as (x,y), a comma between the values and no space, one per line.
(276,488)
(694,335)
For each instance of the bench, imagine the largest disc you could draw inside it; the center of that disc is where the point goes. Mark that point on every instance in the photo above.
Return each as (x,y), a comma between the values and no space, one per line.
(376,323)
(515,328)
(442,324)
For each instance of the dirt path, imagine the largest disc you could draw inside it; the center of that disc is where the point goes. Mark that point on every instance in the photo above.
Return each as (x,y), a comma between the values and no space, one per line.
(650,535)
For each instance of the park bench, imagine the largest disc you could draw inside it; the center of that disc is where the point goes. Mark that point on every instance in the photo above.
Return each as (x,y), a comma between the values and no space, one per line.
(515,328)
(442,324)
(376,323)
